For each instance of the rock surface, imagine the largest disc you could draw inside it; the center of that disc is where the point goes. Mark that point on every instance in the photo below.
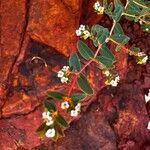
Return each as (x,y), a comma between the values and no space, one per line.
(44,30)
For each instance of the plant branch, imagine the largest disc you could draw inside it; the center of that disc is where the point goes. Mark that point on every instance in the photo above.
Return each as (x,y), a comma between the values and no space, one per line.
(73,82)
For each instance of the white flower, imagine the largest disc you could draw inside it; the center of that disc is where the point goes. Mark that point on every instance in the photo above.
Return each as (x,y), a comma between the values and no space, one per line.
(64,105)
(147,29)
(65,68)
(45,115)
(50,133)
(141,54)
(147,97)
(60,74)
(115,82)
(74,113)
(107,73)
(96,5)
(49,122)
(144,60)
(78,32)
(64,80)
(82,27)
(148,126)
(98,8)
(140,22)
(78,107)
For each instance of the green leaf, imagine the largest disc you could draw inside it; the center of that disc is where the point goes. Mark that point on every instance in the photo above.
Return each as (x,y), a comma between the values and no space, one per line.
(106,57)
(49,105)
(74,62)
(146,27)
(61,121)
(58,130)
(84,50)
(135,49)
(118,29)
(101,33)
(133,9)
(55,95)
(117,13)
(84,84)
(120,38)
(77,97)
(41,130)
(140,3)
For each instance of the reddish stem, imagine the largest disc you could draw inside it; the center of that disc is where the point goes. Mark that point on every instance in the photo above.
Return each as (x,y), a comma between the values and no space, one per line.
(73,82)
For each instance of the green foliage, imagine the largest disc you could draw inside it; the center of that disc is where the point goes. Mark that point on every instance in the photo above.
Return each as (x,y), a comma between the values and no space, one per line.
(106,57)
(74,62)
(55,95)
(41,130)
(100,33)
(120,38)
(77,97)
(102,37)
(118,29)
(84,50)
(84,85)
(60,119)
(49,105)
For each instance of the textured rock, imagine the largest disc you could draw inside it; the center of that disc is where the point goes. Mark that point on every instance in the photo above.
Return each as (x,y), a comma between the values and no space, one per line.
(54,23)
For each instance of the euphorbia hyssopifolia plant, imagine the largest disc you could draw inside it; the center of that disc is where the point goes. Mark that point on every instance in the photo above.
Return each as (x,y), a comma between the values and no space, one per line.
(70,101)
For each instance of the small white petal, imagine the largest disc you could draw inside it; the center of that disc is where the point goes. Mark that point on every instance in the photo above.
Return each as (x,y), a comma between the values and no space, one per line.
(147,97)
(82,27)
(60,74)
(65,68)
(44,115)
(78,32)
(148,126)
(64,105)
(64,80)
(114,83)
(144,60)
(49,122)
(147,29)
(78,107)
(50,133)
(74,113)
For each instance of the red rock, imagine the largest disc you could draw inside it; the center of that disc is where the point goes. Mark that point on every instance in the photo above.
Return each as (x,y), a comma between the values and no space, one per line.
(54,23)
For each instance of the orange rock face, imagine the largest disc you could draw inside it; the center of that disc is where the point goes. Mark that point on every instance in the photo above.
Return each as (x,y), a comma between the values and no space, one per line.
(54,23)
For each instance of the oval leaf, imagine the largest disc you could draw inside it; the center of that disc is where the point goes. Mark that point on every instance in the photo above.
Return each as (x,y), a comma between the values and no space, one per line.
(74,62)
(120,38)
(61,121)
(49,105)
(77,97)
(84,85)
(106,57)
(55,95)
(84,50)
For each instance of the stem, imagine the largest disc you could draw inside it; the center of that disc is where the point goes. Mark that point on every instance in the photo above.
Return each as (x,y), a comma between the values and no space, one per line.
(113,26)
(139,4)
(73,82)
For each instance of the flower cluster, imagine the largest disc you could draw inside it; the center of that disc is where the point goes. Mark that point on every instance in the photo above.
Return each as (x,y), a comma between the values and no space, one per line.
(98,8)
(142,58)
(110,79)
(49,121)
(83,32)
(63,74)
(147,97)
(76,111)
(68,104)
